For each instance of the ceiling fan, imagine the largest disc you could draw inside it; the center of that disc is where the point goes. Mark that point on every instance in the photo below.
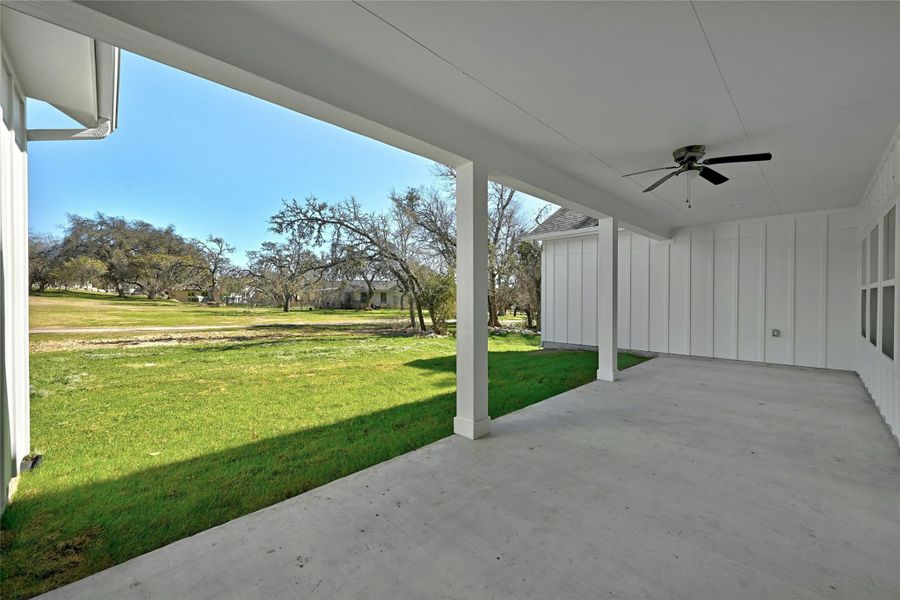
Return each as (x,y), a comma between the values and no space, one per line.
(689,161)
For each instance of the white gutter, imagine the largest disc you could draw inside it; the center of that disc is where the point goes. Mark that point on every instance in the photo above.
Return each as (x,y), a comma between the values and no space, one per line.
(55,135)
(106,60)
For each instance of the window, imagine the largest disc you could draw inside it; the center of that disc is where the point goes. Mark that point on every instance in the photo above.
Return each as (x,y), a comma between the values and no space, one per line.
(862,312)
(887,321)
(384,297)
(863,255)
(873,256)
(889,277)
(873,316)
(889,230)
(873,287)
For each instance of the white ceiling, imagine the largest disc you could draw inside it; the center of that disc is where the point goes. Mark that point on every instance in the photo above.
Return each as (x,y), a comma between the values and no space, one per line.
(564,98)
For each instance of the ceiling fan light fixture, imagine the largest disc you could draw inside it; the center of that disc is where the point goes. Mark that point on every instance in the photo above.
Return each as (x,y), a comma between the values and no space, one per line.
(689,176)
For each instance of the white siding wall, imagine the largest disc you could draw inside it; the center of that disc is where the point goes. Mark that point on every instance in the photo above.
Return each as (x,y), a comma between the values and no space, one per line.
(719,290)
(14,403)
(880,374)
(569,291)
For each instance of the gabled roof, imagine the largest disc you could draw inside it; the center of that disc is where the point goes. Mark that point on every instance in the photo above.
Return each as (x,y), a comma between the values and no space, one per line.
(561,221)
(378,286)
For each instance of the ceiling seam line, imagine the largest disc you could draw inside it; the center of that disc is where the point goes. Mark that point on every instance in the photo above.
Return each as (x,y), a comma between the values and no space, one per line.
(487,87)
(731,98)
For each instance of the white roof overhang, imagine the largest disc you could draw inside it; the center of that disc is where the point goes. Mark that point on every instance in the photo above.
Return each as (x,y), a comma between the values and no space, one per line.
(76,74)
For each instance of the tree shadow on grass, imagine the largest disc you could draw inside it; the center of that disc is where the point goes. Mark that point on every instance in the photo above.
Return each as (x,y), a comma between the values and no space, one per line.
(55,538)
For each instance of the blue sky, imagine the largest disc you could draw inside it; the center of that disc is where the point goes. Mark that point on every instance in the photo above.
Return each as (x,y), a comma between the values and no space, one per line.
(207,159)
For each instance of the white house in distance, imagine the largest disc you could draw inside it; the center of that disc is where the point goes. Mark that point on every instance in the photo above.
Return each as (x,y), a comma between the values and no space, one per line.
(79,76)
(677,478)
(352,293)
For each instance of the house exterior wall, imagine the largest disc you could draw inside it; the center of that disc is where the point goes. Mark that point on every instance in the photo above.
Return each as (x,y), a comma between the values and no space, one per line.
(341,297)
(13,277)
(718,290)
(878,259)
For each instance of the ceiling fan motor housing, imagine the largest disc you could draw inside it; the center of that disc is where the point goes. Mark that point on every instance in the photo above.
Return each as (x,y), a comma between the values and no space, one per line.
(689,154)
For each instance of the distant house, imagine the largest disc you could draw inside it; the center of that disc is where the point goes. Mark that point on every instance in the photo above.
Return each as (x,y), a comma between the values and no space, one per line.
(353,294)
(245,297)
(190,295)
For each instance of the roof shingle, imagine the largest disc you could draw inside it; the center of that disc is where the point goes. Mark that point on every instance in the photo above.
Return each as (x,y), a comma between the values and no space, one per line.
(563,220)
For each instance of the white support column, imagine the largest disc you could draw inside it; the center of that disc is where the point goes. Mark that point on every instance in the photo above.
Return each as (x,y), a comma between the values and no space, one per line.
(472,420)
(607,299)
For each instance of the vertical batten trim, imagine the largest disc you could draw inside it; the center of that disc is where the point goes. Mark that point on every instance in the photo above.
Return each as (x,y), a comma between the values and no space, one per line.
(762,289)
(649,295)
(792,288)
(736,284)
(544,274)
(711,296)
(668,289)
(690,268)
(823,297)
(566,288)
(581,339)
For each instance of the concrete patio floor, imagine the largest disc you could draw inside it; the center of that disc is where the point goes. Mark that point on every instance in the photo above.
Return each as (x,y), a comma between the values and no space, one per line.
(689,478)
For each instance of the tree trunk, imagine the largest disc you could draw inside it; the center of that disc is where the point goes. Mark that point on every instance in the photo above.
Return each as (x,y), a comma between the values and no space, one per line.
(421,316)
(120,291)
(412,314)
(286,306)
(493,321)
(370,294)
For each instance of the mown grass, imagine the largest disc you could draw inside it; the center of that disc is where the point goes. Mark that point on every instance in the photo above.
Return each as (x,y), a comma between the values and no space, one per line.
(146,445)
(57,309)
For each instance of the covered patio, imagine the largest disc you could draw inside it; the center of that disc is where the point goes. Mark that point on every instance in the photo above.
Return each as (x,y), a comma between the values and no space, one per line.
(688,478)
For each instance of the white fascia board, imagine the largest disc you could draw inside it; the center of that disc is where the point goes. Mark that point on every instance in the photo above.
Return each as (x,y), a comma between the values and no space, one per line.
(556,235)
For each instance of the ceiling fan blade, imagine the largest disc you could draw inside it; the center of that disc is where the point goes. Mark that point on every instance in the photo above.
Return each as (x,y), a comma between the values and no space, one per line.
(651,170)
(713,177)
(662,181)
(737,158)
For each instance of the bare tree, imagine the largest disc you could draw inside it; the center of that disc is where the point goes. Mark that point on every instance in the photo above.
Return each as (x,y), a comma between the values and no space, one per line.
(528,282)
(435,219)
(506,227)
(357,261)
(387,235)
(283,271)
(216,262)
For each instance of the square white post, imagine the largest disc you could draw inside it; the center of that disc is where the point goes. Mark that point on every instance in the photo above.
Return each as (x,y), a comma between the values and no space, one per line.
(472,419)
(607,299)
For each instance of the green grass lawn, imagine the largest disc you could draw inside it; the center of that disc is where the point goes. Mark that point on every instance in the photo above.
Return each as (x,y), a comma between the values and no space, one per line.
(147,444)
(148,438)
(86,309)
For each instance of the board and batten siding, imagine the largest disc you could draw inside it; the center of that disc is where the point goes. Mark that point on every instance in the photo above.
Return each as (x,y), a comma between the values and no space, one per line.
(14,402)
(879,372)
(718,290)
